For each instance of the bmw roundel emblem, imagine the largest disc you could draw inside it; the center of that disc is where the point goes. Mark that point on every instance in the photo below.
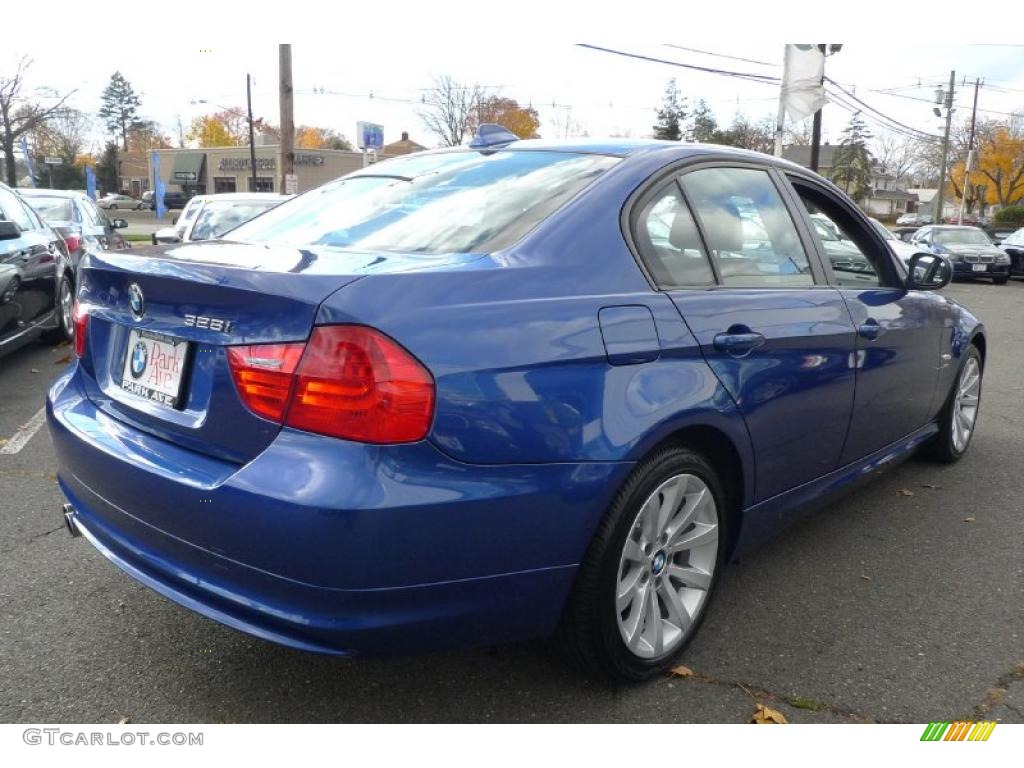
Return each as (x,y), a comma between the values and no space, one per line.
(140,356)
(136,300)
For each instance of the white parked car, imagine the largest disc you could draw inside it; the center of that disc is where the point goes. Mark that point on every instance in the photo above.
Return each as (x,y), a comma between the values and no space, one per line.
(901,248)
(206,217)
(112,202)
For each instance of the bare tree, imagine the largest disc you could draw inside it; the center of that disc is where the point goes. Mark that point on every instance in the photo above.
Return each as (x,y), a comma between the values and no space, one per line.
(896,153)
(20,112)
(63,134)
(448,109)
(564,125)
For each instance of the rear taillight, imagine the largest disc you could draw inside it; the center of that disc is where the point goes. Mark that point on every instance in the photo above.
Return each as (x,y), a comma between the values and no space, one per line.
(73,242)
(80,321)
(352,382)
(263,374)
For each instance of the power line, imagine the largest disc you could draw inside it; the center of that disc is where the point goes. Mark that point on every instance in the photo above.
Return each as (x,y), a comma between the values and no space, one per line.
(881,115)
(722,55)
(753,77)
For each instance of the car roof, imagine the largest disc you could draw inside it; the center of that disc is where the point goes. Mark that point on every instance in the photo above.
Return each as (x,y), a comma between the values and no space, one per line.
(38,192)
(240,196)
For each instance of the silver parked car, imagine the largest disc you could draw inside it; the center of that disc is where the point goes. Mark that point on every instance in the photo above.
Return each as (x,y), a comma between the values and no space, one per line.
(112,202)
(209,216)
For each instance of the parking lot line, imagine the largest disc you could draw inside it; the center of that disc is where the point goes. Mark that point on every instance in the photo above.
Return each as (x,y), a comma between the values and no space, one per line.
(24,433)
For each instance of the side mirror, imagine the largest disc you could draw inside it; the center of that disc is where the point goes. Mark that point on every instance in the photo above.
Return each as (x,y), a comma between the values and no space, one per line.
(119,224)
(9,230)
(928,272)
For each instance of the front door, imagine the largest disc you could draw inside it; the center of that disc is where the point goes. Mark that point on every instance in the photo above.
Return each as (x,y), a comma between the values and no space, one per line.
(779,340)
(899,332)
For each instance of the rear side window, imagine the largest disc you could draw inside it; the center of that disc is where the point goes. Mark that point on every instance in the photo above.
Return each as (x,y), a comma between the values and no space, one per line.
(453,202)
(747,228)
(669,243)
(52,209)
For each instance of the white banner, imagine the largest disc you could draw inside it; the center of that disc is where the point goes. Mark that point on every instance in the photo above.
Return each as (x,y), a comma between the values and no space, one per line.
(802,89)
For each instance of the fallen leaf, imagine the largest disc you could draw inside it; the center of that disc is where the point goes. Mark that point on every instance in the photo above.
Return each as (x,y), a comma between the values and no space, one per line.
(866,578)
(904,492)
(768,716)
(63,361)
(681,671)
(969,519)
(809,704)
(3,441)
(124,720)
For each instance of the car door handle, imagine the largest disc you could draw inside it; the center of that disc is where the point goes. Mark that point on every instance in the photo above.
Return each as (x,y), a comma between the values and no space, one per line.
(870,330)
(738,342)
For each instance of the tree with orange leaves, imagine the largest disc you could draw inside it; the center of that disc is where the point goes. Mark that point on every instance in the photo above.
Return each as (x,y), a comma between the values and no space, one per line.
(522,121)
(998,166)
(311,137)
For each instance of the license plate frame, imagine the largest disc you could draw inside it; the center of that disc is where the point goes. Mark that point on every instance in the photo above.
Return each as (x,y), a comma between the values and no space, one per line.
(156,372)
(980,268)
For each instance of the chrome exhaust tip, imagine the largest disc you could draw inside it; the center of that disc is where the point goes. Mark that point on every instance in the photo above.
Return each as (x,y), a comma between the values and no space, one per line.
(69,520)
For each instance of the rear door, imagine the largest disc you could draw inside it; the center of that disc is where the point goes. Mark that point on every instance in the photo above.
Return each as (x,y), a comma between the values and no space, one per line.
(31,281)
(899,332)
(722,241)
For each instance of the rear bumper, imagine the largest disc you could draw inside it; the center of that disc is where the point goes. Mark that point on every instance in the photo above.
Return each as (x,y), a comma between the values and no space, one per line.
(331,546)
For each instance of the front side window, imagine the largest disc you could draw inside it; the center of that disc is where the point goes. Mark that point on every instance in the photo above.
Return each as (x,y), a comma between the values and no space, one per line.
(748,228)
(12,210)
(453,202)
(669,242)
(856,258)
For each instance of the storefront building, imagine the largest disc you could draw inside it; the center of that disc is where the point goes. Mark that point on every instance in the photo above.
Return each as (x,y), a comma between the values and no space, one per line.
(228,169)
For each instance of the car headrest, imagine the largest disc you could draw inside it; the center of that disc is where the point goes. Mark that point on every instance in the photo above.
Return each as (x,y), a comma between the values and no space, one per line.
(683,234)
(722,226)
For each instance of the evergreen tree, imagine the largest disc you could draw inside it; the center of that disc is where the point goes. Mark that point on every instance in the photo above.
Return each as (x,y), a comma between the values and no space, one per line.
(851,166)
(106,169)
(120,108)
(671,115)
(703,125)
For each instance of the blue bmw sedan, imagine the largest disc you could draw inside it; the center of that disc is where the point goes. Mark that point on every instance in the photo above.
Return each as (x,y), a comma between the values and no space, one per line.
(512,390)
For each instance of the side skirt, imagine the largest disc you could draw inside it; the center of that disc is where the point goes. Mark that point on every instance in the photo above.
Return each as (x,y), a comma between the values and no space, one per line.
(769,517)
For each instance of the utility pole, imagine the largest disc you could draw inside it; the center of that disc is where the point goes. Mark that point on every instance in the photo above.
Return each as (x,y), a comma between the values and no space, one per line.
(946,97)
(287,115)
(816,126)
(252,134)
(970,153)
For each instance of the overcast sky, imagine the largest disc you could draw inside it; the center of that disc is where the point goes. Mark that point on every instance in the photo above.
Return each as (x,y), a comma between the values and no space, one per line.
(601,92)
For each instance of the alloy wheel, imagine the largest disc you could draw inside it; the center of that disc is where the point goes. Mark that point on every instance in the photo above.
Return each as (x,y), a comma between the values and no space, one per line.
(667,566)
(965,404)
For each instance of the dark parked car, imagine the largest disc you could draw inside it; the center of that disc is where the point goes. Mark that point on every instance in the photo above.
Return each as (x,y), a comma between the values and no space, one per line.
(172,200)
(36,292)
(1013,246)
(503,391)
(77,219)
(971,251)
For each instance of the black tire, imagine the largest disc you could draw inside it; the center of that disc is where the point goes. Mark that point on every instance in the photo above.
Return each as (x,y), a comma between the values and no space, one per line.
(942,447)
(65,330)
(589,631)
(112,207)
(1000,280)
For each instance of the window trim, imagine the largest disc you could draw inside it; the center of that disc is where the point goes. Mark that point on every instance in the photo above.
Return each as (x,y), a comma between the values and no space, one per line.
(891,278)
(635,203)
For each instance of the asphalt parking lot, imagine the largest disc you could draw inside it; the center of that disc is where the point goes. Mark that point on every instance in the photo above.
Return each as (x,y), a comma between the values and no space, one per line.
(902,602)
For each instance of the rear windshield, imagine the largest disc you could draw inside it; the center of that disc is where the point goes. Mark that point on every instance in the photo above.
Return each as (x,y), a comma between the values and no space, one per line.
(52,209)
(459,202)
(220,216)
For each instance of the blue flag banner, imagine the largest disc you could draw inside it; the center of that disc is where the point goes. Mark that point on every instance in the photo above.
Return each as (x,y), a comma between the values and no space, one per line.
(159,188)
(28,160)
(90,182)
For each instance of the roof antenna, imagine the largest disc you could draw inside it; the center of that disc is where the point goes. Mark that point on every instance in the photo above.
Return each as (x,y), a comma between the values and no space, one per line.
(492,135)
